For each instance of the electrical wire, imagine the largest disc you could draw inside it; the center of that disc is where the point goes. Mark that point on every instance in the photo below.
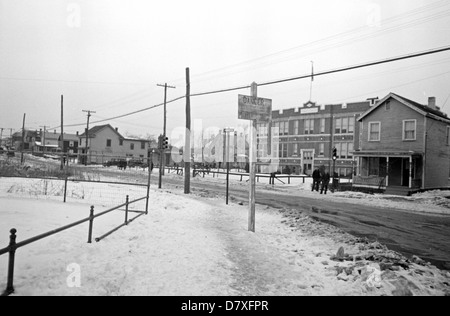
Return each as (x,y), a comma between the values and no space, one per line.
(323,73)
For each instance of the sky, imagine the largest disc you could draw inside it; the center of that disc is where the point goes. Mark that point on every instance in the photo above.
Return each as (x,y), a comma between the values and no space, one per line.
(109,56)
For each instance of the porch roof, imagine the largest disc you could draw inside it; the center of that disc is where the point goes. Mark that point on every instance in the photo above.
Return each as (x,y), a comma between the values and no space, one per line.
(386,153)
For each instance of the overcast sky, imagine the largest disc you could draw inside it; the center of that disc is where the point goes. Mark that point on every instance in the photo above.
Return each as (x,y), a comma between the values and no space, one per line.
(109,55)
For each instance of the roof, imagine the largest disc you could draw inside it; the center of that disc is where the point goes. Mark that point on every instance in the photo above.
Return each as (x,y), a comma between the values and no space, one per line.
(96,129)
(422,109)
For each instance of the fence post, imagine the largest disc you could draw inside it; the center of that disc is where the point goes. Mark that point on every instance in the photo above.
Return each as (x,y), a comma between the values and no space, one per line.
(12,255)
(126,210)
(65,190)
(91,224)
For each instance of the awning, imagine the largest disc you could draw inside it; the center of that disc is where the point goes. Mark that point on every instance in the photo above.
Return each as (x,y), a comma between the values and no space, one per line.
(398,154)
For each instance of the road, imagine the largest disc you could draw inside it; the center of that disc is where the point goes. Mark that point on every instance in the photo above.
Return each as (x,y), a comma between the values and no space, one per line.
(424,235)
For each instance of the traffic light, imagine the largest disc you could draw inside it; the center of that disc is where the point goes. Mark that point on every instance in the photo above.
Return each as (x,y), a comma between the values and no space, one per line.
(165,142)
(334,153)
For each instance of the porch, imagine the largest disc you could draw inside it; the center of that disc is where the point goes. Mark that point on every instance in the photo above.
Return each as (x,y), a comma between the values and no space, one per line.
(399,173)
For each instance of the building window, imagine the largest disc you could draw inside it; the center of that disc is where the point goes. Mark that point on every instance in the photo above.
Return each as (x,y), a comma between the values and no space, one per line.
(351,125)
(388,106)
(309,127)
(322,126)
(283,150)
(108,143)
(120,142)
(322,150)
(343,151)
(142,145)
(409,130)
(296,123)
(374,131)
(262,130)
(308,155)
(295,150)
(338,126)
(344,129)
(131,146)
(284,126)
(448,135)
(350,150)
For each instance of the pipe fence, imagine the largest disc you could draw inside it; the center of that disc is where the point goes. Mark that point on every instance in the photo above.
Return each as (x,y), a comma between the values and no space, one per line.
(14,245)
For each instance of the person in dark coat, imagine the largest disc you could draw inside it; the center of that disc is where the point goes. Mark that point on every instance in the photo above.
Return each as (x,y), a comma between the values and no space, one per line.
(316,180)
(325,182)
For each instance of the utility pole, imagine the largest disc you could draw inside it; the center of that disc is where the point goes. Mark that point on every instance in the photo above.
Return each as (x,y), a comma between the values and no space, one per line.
(187,142)
(89,114)
(62,132)
(23,139)
(10,137)
(162,157)
(43,139)
(252,164)
(227,159)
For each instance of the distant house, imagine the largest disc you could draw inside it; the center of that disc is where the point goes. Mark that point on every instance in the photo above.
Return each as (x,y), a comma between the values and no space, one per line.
(70,145)
(30,138)
(47,142)
(404,146)
(105,143)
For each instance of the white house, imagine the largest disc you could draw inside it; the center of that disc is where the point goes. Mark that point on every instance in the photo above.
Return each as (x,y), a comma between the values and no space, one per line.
(105,143)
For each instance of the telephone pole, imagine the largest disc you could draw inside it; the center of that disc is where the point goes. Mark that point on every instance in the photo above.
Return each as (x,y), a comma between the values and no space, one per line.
(89,114)
(23,139)
(187,142)
(43,139)
(62,132)
(162,155)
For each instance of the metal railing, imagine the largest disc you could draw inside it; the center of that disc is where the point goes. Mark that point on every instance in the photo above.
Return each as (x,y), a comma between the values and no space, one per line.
(278,177)
(13,245)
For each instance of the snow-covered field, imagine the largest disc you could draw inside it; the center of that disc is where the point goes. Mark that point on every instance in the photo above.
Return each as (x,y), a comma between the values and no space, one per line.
(192,245)
(195,245)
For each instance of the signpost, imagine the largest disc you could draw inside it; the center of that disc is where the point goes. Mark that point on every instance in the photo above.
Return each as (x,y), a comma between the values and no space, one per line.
(256,110)
(227,159)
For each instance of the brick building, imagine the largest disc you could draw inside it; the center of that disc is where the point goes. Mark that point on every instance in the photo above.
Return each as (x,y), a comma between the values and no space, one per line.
(308,134)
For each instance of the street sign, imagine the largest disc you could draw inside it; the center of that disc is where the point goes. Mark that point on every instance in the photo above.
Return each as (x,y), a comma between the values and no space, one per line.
(255,109)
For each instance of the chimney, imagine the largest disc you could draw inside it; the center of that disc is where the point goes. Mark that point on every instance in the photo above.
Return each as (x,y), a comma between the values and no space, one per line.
(78,133)
(373,101)
(117,129)
(432,102)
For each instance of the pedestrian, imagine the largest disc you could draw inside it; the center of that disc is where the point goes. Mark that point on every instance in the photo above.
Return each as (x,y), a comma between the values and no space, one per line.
(316,180)
(325,182)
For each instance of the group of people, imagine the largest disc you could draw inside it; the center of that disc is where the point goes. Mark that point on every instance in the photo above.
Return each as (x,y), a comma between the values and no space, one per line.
(321,179)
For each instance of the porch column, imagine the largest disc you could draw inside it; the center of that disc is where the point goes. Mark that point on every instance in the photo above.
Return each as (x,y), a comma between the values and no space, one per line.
(387,171)
(410,172)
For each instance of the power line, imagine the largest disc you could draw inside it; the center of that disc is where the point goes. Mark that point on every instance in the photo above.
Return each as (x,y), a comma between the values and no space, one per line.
(344,37)
(323,73)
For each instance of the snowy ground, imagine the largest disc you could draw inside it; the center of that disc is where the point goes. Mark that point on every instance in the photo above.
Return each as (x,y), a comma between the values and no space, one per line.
(192,245)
